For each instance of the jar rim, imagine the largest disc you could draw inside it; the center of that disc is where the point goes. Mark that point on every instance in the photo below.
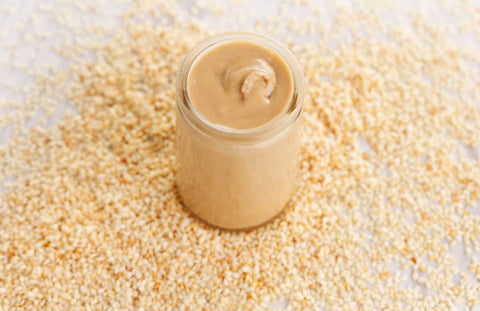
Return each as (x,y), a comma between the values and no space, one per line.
(277,124)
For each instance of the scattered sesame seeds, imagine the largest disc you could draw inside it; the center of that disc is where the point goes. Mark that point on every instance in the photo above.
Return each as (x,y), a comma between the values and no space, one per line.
(389,179)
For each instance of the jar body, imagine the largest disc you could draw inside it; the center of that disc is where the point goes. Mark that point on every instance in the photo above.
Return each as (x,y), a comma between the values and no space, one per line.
(231,178)
(236,186)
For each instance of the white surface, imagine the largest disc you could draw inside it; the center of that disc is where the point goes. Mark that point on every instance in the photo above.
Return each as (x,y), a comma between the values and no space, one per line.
(22,21)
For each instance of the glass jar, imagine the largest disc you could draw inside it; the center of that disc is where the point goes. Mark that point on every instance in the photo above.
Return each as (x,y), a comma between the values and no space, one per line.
(230,178)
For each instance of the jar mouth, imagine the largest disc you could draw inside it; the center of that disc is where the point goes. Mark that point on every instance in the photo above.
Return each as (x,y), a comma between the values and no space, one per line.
(291,112)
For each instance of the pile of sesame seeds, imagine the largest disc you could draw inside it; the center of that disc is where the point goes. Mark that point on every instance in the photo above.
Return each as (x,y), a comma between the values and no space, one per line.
(389,185)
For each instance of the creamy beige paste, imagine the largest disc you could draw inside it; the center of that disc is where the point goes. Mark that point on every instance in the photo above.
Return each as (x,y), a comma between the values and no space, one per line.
(239,85)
